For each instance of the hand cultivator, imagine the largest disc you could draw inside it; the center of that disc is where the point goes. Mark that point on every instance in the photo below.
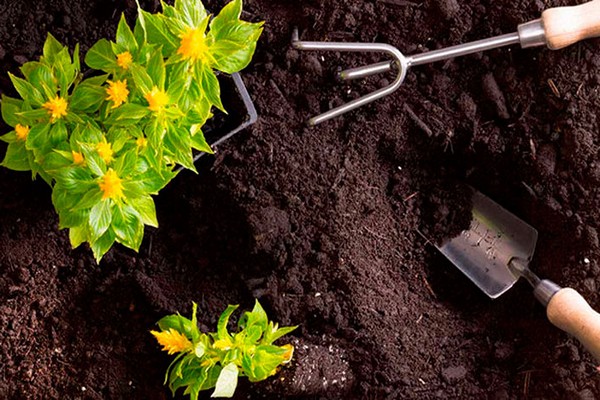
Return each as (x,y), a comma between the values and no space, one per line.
(557,28)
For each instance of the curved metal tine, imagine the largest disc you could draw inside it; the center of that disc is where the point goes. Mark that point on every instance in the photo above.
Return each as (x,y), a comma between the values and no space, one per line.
(355,47)
(365,71)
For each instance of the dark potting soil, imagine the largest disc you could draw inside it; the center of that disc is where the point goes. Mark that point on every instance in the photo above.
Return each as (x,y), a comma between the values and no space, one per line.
(322,224)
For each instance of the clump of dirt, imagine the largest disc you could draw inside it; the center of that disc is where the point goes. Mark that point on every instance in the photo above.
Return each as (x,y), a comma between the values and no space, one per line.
(325,225)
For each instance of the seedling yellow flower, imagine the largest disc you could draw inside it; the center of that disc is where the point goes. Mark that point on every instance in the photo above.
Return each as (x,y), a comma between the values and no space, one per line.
(172,341)
(124,59)
(117,92)
(141,142)
(156,99)
(193,46)
(77,158)
(22,131)
(105,151)
(287,356)
(223,344)
(57,108)
(111,185)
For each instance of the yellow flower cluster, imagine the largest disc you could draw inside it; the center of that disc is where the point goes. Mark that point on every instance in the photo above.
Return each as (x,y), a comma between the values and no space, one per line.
(117,92)
(105,151)
(57,108)
(172,341)
(21,131)
(193,46)
(111,185)
(156,99)
(124,59)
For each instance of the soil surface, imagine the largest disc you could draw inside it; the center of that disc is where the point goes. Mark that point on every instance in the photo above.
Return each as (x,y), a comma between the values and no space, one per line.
(326,225)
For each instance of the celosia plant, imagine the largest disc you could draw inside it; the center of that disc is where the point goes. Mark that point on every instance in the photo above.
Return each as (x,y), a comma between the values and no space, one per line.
(107,143)
(216,360)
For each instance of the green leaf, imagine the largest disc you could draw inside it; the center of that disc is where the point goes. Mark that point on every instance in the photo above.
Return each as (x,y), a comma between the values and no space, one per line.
(156,69)
(141,78)
(128,228)
(87,97)
(52,48)
(75,180)
(93,160)
(264,363)
(16,157)
(231,12)
(101,57)
(125,163)
(209,84)
(199,143)
(232,56)
(103,244)
(27,91)
(125,37)
(177,141)
(70,218)
(227,381)
(10,108)
(273,332)
(92,197)
(257,317)
(177,322)
(38,137)
(127,114)
(58,134)
(145,207)
(223,320)
(192,11)
(100,218)
(157,32)
(200,349)
(78,235)
(41,77)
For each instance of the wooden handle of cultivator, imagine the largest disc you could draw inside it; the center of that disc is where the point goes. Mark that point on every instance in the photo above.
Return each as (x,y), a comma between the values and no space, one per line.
(564,26)
(569,311)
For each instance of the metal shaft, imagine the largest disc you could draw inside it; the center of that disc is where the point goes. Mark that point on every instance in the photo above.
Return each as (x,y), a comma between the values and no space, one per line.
(464,49)
(434,55)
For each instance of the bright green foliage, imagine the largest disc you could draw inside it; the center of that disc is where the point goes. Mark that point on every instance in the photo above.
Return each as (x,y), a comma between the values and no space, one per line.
(216,360)
(107,143)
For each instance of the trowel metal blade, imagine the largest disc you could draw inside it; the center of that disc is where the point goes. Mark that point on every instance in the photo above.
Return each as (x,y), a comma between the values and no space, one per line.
(483,252)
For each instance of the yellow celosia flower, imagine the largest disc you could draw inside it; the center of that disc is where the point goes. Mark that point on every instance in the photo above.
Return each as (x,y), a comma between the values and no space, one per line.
(105,151)
(193,46)
(111,185)
(287,356)
(117,92)
(77,158)
(223,344)
(173,341)
(57,108)
(124,59)
(22,131)
(141,142)
(156,99)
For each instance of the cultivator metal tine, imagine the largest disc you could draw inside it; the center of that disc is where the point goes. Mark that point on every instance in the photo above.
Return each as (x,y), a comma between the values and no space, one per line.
(366,71)
(398,59)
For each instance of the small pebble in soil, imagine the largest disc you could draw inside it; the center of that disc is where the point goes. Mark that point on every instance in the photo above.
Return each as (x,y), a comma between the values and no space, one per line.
(454,374)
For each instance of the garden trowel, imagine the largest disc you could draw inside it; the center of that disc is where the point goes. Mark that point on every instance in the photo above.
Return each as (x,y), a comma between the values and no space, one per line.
(495,252)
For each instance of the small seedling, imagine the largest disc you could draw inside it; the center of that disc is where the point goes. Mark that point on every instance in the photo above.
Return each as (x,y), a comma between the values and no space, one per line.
(216,360)
(107,143)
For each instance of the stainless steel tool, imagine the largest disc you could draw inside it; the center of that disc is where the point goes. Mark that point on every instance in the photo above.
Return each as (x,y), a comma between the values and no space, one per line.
(557,28)
(495,252)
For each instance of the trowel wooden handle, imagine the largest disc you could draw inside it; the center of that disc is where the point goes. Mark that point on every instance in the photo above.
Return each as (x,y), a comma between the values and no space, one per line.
(570,312)
(565,26)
